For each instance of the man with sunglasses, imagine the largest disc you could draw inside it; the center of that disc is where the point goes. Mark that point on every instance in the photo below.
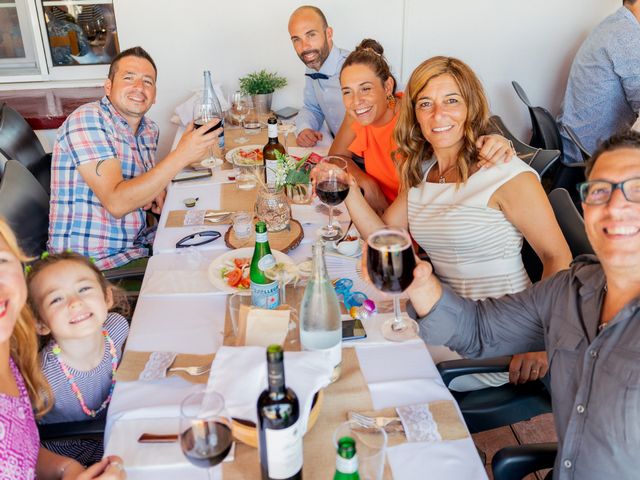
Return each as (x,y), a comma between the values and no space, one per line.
(587,317)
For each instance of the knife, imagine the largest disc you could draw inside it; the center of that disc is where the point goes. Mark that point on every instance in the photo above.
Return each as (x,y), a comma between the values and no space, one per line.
(155,438)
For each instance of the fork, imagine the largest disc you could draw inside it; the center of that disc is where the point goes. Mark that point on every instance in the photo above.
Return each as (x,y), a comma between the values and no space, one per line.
(194,371)
(368,422)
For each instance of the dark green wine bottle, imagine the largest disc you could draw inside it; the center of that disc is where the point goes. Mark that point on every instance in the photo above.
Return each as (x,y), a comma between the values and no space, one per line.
(346,460)
(264,292)
(279,432)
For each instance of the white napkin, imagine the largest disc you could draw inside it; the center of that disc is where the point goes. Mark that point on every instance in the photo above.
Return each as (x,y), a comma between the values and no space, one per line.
(177,282)
(185,109)
(240,375)
(453,460)
(307,214)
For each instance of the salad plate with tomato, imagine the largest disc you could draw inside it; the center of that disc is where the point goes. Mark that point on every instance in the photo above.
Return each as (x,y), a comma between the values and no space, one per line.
(230,271)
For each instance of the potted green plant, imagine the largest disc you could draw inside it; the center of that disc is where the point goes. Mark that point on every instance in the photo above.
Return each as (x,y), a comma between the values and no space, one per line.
(261,85)
(293,175)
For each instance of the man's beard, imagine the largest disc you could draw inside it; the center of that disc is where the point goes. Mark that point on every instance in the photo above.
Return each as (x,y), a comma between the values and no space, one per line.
(318,61)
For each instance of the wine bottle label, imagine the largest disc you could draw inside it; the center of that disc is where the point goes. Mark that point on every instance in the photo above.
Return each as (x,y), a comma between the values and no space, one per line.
(266,262)
(284,451)
(270,167)
(265,295)
(272,130)
(347,465)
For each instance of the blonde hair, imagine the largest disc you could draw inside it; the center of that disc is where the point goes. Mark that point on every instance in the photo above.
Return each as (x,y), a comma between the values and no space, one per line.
(23,344)
(413,148)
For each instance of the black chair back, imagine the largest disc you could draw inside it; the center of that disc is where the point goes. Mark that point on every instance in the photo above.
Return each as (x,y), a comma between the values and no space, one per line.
(516,462)
(25,206)
(19,142)
(544,129)
(570,221)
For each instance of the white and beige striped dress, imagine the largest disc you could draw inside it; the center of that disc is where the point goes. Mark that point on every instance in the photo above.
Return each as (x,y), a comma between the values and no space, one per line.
(473,247)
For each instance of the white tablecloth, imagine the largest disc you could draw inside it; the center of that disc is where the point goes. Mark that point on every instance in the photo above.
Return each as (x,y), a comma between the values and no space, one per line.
(397,374)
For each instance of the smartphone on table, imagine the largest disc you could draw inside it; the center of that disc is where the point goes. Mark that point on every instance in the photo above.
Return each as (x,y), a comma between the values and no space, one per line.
(352,329)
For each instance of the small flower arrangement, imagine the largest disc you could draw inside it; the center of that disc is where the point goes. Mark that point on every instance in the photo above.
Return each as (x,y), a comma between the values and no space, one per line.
(293,175)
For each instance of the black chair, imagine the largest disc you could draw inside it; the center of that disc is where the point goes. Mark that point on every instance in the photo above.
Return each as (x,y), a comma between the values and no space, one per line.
(19,142)
(88,429)
(544,128)
(586,154)
(25,206)
(570,221)
(515,463)
(541,160)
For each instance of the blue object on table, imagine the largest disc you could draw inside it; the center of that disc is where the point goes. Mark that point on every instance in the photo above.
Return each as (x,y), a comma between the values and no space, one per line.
(350,299)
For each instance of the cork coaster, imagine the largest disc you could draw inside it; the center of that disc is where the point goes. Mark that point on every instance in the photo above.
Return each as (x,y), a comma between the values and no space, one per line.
(285,240)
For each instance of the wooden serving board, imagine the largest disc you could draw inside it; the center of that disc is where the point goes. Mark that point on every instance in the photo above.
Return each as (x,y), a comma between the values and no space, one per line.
(285,240)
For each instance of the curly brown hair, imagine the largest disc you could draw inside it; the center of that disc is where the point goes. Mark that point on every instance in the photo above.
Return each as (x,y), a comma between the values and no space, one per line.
(413,148)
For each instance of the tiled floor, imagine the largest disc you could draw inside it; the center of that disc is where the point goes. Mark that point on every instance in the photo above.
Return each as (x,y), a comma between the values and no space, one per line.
(537,430)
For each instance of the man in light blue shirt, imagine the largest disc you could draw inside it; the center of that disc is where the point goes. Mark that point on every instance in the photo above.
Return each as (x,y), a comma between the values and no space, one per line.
(312,40)
(603,91)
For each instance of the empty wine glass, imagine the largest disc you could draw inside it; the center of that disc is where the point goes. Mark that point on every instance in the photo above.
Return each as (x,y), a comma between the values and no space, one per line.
(240,105)
(284,273)
(284,129)
(332,187)
(390,265)
(205,432)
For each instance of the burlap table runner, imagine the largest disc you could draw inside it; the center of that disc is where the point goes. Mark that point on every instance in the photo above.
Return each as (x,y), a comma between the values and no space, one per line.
(176,218)
(133,364)
(234,200)
(349,393)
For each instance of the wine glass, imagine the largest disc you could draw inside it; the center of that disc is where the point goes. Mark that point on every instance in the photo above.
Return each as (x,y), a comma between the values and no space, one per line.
(332,187)
(205,433)
(285,128)
(240,105)
(390,265)
(203,113)
(284,273)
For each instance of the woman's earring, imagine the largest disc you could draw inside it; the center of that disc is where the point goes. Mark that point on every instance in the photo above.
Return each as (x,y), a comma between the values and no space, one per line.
(391,101)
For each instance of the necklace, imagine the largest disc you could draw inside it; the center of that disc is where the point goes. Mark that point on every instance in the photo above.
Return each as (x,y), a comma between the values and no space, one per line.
(72,383)
(441,178)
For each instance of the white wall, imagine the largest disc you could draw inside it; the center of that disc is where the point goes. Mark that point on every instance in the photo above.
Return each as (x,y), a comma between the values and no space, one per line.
(503,40)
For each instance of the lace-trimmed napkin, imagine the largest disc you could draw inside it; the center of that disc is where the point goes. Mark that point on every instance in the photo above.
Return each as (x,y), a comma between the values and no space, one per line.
(149,366)
(429,422)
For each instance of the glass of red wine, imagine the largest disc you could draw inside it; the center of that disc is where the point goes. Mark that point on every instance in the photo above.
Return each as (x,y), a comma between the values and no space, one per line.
(205,432)
(390,265)
(332,187)
(203,113)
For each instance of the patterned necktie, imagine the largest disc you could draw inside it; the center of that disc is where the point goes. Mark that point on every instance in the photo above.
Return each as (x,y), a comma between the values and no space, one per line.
(317,76)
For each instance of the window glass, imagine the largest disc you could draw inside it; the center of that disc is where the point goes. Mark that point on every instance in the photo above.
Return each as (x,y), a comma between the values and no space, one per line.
(79,33)
(17,48)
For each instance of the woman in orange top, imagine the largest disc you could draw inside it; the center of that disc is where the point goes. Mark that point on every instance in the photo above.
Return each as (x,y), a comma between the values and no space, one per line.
(370,98)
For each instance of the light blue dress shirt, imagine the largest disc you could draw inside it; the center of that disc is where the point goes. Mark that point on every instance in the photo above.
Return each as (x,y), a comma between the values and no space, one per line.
(323,98)
(603,91)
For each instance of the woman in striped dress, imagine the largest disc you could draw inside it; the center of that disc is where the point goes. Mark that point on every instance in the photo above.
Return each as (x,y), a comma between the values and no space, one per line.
(469,219)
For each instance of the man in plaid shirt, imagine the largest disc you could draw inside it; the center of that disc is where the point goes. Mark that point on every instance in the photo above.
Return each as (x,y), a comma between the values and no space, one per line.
(104,172)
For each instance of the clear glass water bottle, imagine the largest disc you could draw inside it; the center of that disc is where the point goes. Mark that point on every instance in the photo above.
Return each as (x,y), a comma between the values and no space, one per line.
(320,320)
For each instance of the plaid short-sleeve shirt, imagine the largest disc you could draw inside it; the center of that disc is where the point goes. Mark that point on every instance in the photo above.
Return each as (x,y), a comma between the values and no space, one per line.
(77,220)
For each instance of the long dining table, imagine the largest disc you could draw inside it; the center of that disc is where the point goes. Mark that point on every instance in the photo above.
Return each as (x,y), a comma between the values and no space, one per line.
(179,311)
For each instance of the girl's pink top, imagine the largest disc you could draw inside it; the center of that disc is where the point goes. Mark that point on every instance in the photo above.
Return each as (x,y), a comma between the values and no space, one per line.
(19,439)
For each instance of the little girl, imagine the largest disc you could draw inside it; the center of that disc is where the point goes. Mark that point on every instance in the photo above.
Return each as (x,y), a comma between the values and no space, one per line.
(71,300)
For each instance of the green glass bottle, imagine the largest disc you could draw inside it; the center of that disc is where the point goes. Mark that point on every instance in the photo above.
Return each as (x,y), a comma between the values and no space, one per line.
(264,292)
(346,460)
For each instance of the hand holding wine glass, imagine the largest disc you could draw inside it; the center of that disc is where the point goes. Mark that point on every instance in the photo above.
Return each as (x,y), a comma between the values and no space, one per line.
(332,187)
(205,432)
(204,113)
(390,266)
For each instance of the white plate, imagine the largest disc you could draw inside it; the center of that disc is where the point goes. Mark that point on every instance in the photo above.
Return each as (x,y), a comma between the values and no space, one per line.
(232,155)
(247,252)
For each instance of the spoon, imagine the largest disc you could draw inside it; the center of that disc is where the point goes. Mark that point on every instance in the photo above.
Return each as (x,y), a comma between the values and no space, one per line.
(346,234)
